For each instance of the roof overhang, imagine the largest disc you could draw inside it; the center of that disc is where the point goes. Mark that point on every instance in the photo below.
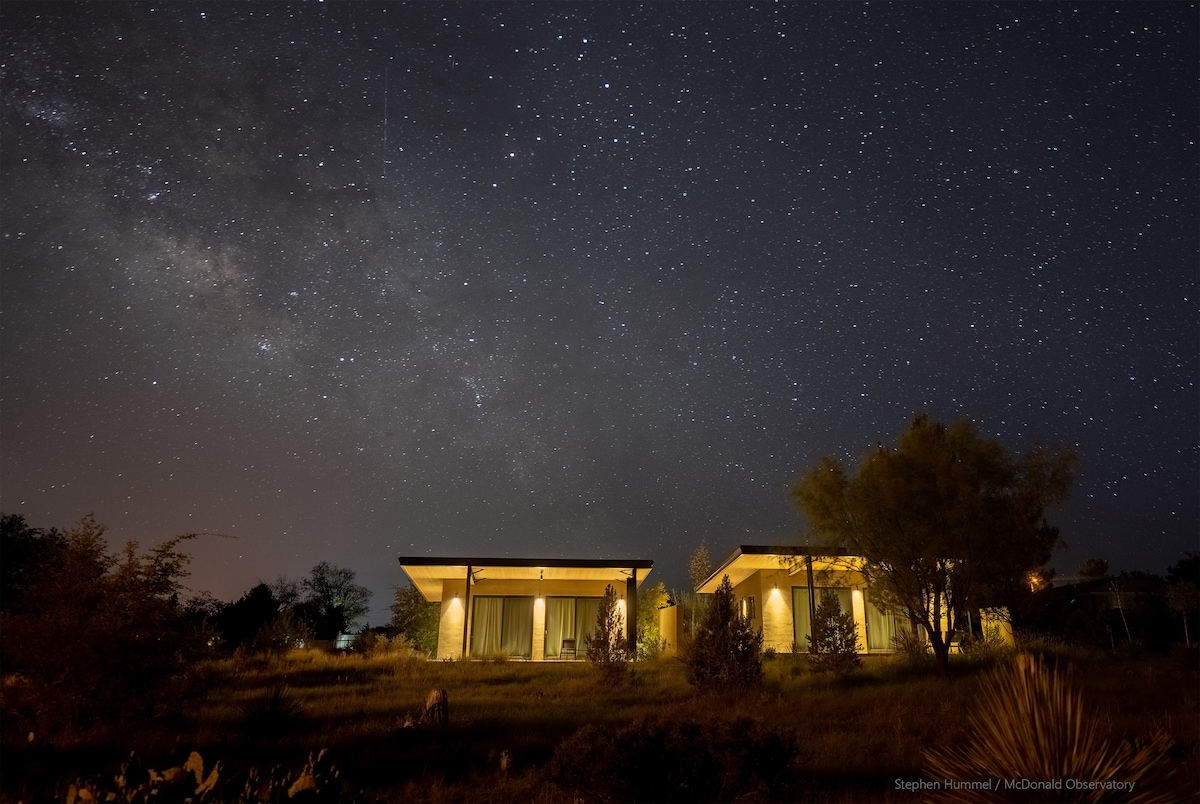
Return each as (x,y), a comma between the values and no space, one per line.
(428,572)
(748,559)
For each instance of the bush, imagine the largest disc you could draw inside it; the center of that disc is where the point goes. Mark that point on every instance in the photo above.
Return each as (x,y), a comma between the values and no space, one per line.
(912,648)
(272,713)
(98,640)
(726,652)
(834,644)
(607,650)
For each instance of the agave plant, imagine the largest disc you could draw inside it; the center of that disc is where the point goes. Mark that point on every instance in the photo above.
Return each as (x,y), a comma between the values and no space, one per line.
(273,712)
(1033,740)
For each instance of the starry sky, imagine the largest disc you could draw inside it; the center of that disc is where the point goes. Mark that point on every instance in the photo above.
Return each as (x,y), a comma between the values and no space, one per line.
(348,281)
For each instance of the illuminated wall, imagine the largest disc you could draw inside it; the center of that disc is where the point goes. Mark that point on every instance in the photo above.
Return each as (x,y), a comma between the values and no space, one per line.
(539,629)
(777,628)
(453,620)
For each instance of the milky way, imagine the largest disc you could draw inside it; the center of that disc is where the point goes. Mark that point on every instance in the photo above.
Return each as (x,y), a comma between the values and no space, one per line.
(349,281)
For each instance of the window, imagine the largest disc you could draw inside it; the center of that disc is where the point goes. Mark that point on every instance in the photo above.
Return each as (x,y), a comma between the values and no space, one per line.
(882,628)
(749,610)
(502,625)
(570,618)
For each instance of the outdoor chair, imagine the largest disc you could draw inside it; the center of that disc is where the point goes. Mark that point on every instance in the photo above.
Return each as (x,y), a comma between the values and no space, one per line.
(568,647)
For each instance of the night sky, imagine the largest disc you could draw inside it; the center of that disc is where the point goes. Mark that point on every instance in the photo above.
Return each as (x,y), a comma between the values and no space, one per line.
(350,281)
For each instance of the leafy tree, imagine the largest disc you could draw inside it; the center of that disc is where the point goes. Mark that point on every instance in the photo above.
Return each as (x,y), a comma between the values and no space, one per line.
(944,520)
(333,602)
(726,652)
(699,568)
(1092,568)
(415,618)
(241,621)
(1183,592)
(607,650)
(1185,570)
(649,637)
(97,638)
(834,644)
(23,549)
(699,565)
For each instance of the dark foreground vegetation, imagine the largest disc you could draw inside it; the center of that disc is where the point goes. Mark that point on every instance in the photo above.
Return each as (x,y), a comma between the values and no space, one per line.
(327,726)
(113,687)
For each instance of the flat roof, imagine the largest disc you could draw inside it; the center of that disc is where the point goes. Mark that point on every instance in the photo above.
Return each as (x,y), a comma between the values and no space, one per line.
(746,559)
(428,572)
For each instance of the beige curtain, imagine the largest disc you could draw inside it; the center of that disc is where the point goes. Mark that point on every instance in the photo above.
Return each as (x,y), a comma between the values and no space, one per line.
(517,628)
(881,628)
(560,624)
(485,625)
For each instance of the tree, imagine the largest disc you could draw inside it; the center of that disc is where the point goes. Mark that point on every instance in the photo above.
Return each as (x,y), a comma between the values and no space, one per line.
(333,602)
(834,644)
(726,652)
(1183,594)
(415,618)
(22,550)
(649,638)
(607,648)
(1092,568)
(699,568)
(699,565)
(241,621)
(97,638)
(944,520)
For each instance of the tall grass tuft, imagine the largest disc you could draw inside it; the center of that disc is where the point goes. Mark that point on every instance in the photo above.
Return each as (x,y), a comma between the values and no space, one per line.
(1031,727)
(271,713)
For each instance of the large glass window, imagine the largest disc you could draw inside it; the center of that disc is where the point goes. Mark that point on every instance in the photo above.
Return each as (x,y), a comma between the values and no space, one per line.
(882,628)
(800,611)
(502,625)
(569,618)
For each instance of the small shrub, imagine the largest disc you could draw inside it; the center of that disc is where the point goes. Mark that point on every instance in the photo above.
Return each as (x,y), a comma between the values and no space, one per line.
(912,647)
(607,651)
(834,644)
(274,712)
(983,649)
(726,652)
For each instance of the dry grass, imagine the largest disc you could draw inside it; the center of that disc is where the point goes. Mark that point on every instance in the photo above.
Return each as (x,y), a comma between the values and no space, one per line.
(852,738)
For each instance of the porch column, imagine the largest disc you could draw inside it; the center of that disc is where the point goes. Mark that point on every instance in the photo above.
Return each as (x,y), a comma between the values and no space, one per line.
(467,617)
(631,612)
(812,603)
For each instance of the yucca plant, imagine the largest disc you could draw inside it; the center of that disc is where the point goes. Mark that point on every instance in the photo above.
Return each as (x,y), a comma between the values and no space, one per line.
(273,712)
(1034,740)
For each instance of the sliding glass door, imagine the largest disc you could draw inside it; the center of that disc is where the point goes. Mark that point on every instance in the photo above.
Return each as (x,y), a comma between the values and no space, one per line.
(800,612)
(502,625)
(569,618)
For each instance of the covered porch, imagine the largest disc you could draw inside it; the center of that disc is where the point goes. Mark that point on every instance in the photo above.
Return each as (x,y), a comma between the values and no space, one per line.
(538,609)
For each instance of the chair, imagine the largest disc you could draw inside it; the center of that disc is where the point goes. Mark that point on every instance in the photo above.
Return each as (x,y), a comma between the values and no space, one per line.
(568,646)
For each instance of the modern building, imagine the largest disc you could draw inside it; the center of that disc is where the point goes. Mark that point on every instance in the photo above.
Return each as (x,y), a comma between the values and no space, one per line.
(525,608)
(778,588)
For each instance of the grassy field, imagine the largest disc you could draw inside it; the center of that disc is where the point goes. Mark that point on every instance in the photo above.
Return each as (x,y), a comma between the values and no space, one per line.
(553,732)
